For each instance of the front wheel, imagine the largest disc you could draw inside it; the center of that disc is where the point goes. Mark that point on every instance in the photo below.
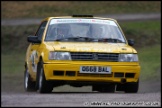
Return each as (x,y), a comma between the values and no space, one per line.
(131,87)
(29,85)
(44,86)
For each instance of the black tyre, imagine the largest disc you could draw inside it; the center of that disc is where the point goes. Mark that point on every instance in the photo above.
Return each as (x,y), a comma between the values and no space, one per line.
(120,87)
(108,88)
(131,87)
(43,86)
(97,88)
(29,85)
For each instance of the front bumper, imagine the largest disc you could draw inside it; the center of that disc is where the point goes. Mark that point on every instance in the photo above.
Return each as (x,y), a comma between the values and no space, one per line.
(69,71)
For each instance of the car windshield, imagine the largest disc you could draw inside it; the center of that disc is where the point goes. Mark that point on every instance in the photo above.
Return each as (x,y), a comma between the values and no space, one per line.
(87,30)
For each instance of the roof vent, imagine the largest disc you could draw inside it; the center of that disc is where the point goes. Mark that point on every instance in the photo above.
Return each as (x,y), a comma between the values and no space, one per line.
(82,15)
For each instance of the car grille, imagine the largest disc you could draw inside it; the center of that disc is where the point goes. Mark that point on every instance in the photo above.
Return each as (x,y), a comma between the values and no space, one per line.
(112,57)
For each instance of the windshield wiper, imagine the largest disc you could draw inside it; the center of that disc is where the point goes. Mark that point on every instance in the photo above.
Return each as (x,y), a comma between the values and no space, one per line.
(76,38)
(81,38)
(113,40)
(60,39)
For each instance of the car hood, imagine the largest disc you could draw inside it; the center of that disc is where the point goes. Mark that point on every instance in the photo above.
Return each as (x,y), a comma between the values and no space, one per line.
(91,47)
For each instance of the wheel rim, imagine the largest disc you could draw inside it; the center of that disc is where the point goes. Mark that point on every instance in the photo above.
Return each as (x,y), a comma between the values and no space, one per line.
(40,79)
(26,79)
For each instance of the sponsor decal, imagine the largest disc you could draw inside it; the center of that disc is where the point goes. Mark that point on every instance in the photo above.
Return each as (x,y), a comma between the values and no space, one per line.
(33,57)
(109,22)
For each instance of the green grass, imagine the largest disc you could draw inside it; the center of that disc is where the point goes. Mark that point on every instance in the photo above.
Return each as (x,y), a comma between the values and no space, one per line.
(145,33)
(13,63)
(150,61)
(39,9)
(14,38)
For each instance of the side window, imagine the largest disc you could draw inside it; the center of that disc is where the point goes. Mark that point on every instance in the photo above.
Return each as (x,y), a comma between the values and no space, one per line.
(41,30)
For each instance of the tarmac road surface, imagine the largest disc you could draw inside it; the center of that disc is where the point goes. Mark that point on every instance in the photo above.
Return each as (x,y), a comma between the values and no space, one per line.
(65,96)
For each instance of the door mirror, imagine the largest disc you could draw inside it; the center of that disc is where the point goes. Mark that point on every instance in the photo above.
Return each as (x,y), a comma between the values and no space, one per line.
(130,42)
(33,39)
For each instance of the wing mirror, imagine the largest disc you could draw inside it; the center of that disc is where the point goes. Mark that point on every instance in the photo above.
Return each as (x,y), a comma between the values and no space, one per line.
(33,39)
(130,42)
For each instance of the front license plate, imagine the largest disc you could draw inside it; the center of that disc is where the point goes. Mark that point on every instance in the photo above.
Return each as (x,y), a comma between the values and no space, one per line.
(95,69)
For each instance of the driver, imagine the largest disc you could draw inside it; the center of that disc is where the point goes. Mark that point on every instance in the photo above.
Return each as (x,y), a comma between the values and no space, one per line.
(98,31)
(62,30)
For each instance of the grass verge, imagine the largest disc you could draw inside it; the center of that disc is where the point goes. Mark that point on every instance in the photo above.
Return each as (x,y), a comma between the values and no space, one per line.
(145,33)
(150,61)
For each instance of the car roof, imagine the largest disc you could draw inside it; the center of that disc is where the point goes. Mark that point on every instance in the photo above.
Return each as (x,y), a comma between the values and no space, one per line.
(81,17)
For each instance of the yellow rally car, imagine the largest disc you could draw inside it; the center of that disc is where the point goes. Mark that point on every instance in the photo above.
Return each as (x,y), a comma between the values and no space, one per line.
(81,50)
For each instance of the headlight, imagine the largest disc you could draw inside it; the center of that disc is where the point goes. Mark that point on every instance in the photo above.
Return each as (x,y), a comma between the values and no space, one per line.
(59,56)
(128,57)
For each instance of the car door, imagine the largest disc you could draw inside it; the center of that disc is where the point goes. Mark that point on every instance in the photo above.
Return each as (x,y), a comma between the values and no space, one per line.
(33,50)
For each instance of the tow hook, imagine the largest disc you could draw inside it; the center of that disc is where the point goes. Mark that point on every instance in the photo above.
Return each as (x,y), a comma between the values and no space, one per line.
(123,80)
